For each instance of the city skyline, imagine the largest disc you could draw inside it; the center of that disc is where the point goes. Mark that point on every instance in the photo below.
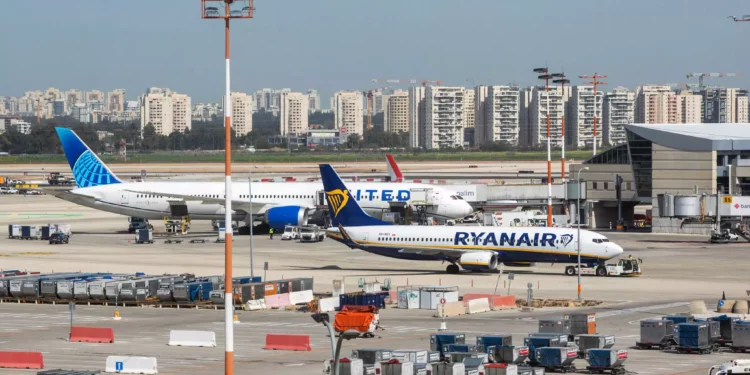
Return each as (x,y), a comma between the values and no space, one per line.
(148,61)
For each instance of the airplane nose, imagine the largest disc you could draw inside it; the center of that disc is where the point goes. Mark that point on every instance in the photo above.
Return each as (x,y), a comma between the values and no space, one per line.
(466,209)
(618,250)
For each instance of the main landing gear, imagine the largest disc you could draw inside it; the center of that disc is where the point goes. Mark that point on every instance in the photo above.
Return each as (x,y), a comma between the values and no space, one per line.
(452,269)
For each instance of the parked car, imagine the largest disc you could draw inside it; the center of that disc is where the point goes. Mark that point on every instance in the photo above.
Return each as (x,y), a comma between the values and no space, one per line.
(58,238)
(291,232)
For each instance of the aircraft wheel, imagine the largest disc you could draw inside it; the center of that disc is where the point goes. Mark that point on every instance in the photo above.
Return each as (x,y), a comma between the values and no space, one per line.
(570,271)
(452,269)
(601,271)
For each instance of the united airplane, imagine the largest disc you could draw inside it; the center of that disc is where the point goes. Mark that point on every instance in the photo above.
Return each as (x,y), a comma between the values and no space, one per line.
(276,204)
(470,248)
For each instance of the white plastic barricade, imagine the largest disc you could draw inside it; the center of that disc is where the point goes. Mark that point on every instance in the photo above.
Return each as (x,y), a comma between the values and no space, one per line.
(478,306)
(255,305)
(328,304)
(205,339)
(304,296)
(131,365)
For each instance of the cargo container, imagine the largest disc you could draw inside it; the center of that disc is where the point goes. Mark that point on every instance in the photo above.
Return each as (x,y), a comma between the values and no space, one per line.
(396,367)
(725,328)
(553,358)
(164,295)
(65,289)
(144,236)
(474,364)
(217,297)
(500,369)
(372,356)
(462,348)
(656,333)
(458,357)
(271,288)
(694,337)
(297,285)
(438,340)
(193,292)
(251,291)
(347,366)
(408,355)
(44,232)
(561,326)
(433,356)
(563,339)
(445,368)
(677,319)
(430,296)
(586,342)
(740,336)
(364,299)
(14,231)
(59,228)
(17,281)
(611,360)
(511,354)
(535,342)
(527,370)
(422,369)
(486,341)
(582,323)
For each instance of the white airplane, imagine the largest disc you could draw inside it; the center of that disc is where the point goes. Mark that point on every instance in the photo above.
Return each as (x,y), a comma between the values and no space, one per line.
(276,204)
(471,248)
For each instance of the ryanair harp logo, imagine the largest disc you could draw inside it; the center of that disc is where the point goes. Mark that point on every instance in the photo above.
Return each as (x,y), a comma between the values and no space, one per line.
(337,199)
(566,239)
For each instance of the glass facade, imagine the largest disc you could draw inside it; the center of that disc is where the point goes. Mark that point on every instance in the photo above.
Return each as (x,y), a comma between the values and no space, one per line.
(640,154)
(614,155)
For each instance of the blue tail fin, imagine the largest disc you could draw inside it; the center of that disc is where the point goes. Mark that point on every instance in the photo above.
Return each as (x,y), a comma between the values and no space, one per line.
(342,205)
(87,168)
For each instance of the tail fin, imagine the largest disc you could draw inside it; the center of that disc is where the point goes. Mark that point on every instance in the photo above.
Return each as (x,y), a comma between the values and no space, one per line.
(87,168)
(394,172)
(342,205)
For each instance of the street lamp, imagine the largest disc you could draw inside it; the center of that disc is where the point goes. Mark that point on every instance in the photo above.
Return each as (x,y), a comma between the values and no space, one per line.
(335,346)
(210,10)
(578,221)
(562,81)
(544,74)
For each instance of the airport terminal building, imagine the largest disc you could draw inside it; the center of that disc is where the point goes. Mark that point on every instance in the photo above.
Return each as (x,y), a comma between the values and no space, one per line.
(677,166)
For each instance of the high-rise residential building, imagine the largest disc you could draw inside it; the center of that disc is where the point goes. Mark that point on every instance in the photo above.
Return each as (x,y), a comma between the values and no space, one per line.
(724,105)
(379,101)
(242,111)
(94,96)
(689,107)
(167,111)
(541,102)
(9,105)
(348,112)
(80,112)
(619,110)
(293,113)
(313,100)
(52,94)
(444,117)
(498,111)
(469,110)
(72,97)
(268,99)
(584,104)
(396,116)
(656,105)
(116,100)
(416,116)
(206,111)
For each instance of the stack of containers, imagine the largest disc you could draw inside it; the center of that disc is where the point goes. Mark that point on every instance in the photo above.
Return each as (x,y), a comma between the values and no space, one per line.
(656,333)
(693,337)
(586,342)
(438,340)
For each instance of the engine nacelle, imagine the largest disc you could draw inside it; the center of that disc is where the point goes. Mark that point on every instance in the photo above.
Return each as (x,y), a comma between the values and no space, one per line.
(478,261)
(279,217)
(520,264)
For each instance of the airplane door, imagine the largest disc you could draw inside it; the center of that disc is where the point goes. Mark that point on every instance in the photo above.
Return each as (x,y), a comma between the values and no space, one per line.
(124,198)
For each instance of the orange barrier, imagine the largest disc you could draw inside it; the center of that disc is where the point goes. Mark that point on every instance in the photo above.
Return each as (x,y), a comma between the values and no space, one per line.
(90,334)
(503,302)
(287,342)
(30,360)
(470,296)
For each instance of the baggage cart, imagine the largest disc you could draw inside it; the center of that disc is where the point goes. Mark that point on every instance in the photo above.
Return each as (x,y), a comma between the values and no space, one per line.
(144,236)
(694,338)
(535,342)
(561,326)
(656,333)
(438,340)
(372,356)
(725,329)
(586,342)
(606,360)
(500,369)
(494,340)
(446,368)
(511,354)
(408,355)
(462,348)
(677,319)
(557,359)
(740,336)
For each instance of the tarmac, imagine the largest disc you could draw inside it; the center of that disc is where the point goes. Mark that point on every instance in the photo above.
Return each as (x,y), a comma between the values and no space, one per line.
(677,269)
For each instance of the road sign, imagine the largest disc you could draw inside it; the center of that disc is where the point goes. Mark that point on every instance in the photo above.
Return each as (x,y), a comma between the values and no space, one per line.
(119,366)
(726,199)
(511,276)
(442,301)
(265,266)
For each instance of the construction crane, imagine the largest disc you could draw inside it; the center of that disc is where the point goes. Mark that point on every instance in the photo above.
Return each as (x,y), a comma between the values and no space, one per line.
(368,95)
(412,81)
(702,75)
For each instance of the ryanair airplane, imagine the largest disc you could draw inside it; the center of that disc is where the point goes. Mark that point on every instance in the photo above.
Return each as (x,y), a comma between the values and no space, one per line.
(471,248)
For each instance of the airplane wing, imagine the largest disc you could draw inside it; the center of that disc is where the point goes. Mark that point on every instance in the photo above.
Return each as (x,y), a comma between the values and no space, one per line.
(257,207)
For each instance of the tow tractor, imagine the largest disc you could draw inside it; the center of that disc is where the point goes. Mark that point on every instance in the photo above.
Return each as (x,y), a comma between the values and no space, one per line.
(624,267)
(738,366)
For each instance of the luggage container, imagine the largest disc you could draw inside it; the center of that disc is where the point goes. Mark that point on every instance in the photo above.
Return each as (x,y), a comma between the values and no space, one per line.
(586,342)
(193,292)
(372,356)
(14,231)
(438,340)
(535,342)
(433,356)
(694,338)
(677,319)
(462,348)
(561,326)
(396,367)
(217,297)
(657,333)
(5,285)
(725,328)
(164,295)
(460,356)
(44,232)
(430,296)
(363,299)
(65,289)
(446,368)
(488,341)
(298,284)
(582,323)
(528,370)
(252,291)
(611,360)
(59,228)
(740,336)
(144,236)
(271,288)
(408,297)
(30,289)
(408,355)
(511,354)
(474,364)
(347,366)
(557,359)
(97,289)
(422,369)
(500,369)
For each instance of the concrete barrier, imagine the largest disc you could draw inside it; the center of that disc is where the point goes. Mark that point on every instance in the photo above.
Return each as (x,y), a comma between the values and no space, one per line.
(277,300)
(29,360)
(452,309)
(476,306)
(305,296)
(92,334)
(328,304)
(503,302)
(131,365)
(471,296)
(287,342)
(205,339)
(255,305)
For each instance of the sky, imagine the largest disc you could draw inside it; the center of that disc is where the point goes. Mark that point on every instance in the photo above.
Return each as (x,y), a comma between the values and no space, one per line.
(332,45)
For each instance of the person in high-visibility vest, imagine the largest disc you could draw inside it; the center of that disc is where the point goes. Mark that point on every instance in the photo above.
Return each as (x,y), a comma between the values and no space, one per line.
(271,232)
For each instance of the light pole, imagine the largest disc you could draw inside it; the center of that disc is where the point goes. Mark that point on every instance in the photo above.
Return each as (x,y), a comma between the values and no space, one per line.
(210,10)
(578,221)
(562,81)
(594,81)
(325,319)
(346,335)
(546,77)
(252,220)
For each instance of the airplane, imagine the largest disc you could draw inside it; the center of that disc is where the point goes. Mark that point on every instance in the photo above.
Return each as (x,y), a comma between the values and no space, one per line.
(471,248)
(276,204)
(394,172)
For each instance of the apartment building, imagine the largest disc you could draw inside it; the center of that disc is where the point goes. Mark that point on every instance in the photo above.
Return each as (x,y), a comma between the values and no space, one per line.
(293,113)
(480,96)
(724,105)
(94,96)
(619,110)
(167,111)
(497,114)
(313,100)
(396,116)
(689,107)
(72,97)
(348,112)
(416,116)
(656,104)
(242,111)
(469,110)
(444,117)
(584,106)
(540,103)
(116,100)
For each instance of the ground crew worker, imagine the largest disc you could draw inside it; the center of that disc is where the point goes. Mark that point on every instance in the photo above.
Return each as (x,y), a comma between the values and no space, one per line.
(271,232)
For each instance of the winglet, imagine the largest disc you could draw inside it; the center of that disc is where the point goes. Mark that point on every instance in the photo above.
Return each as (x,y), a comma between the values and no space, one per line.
(342,205)
(394,172)
(87,168)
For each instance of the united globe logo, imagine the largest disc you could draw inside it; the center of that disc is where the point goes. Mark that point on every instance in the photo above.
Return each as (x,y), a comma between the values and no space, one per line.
(89,171)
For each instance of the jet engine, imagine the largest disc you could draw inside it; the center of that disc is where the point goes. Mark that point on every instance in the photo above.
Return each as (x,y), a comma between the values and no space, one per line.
(478,261)
(278,217)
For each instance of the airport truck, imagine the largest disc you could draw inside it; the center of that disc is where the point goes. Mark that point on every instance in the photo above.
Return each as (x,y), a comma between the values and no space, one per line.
(311,234)
(55,178)
(137,223)
(624,267)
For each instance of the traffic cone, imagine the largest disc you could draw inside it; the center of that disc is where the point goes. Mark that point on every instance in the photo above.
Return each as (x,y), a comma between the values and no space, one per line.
(236,319)
(117,315)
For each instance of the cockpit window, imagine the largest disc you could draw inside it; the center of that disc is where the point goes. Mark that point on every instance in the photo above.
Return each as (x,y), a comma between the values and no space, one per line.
(459,197)
(453,197)
(597,240)
(605,240)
